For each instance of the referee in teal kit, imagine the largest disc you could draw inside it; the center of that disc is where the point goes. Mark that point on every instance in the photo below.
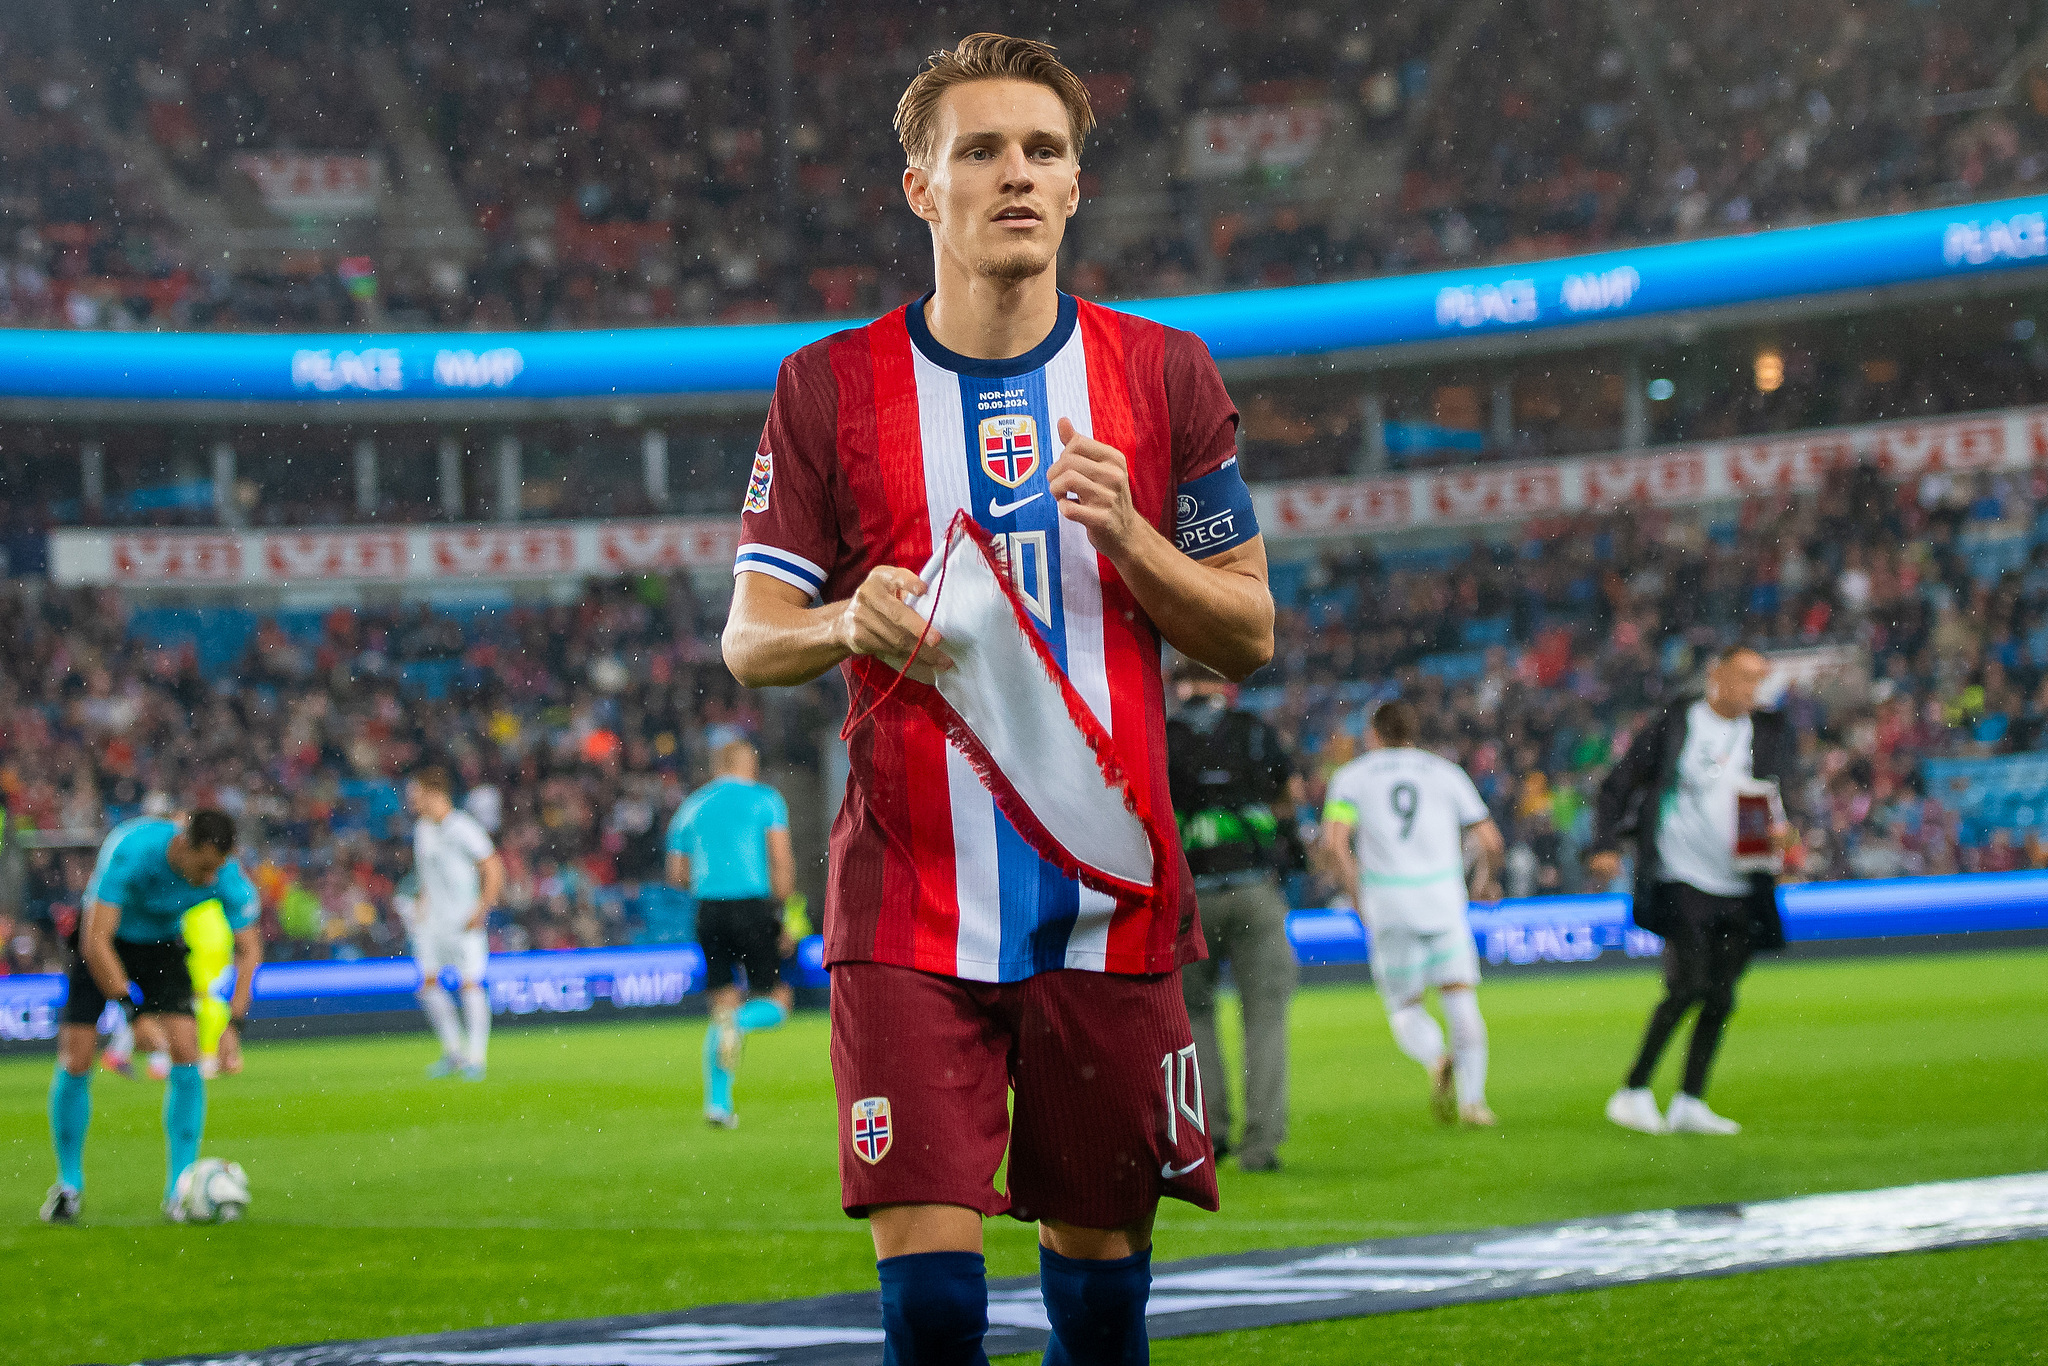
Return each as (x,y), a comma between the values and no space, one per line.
(729,844)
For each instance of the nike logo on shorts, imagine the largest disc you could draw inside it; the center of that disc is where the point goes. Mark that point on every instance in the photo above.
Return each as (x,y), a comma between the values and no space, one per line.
(1173,1173)
(996,509)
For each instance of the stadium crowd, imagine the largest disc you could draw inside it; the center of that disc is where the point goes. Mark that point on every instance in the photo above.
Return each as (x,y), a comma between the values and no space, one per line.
(629,163)
(1918,615)
(573,730)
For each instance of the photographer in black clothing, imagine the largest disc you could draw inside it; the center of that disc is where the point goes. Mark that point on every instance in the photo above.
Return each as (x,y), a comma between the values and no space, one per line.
(1235,792)
(1699,791)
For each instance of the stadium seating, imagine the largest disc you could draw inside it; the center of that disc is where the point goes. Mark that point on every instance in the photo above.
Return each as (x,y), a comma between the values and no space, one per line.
(2008,793)
(614,164)
(1534,659)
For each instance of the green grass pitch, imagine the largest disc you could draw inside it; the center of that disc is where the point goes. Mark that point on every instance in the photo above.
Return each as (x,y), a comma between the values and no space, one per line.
(580,1181)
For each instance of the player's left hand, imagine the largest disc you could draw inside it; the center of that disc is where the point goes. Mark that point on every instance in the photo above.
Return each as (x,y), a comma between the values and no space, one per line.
(231,1049)
(1091,482)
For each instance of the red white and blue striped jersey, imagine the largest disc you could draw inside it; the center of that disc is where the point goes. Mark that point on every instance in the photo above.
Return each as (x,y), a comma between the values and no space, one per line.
(875,438)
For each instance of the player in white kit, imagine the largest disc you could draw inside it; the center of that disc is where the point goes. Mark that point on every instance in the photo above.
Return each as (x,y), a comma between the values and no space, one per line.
(460,877)
(1394,827)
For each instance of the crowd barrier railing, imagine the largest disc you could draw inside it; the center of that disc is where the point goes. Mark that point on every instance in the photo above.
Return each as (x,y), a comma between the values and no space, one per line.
(1555,929)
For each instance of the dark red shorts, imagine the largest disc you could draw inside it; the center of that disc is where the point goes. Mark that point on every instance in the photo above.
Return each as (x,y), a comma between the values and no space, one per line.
(1108,1115)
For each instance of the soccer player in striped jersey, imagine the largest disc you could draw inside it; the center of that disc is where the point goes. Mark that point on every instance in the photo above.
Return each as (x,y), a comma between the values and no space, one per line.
(1099,449)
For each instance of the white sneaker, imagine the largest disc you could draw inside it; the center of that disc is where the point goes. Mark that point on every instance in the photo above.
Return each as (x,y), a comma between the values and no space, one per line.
(1690,1115)
(1477,1115)
(60,1206)
(1443,1096)
(1633,1107)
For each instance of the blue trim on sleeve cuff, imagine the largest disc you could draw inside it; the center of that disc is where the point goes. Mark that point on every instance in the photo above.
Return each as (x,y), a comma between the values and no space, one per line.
(810,580)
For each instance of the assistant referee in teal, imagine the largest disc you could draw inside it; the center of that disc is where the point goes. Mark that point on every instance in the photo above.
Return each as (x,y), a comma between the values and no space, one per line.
(149,873)
(729,844)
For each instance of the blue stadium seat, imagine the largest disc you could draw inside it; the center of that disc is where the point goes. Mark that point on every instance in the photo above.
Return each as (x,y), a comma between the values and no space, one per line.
(1485,631)
(1454,666)
(219,635)
(2005,793)
(431,678)
(1287,579)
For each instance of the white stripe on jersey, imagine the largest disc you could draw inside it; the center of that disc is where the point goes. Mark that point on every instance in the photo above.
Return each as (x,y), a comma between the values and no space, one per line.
(979,949)
(977,876)
(1066,395)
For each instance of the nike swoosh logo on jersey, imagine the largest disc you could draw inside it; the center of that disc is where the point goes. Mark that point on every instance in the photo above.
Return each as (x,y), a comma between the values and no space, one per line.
(1173,1173)
(996,509)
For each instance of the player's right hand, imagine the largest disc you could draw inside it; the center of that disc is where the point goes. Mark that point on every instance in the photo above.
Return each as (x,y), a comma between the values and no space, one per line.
(230,1050)
(877,620)
(1604,866)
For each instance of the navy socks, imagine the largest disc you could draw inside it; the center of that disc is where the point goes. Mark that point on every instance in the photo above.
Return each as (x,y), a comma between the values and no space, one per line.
(934,1309)
(1097,1309)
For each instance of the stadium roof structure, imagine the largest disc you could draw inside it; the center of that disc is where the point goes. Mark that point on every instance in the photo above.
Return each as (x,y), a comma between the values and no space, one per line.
(1666,290)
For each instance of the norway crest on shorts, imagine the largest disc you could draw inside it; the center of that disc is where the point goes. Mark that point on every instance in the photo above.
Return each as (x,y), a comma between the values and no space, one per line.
(872,1130)
(757,485)
(1009,448)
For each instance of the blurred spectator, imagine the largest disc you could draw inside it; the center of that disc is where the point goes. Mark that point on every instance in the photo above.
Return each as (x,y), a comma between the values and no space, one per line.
(1599,621)
(305,737)
(1532,662)
(628,163)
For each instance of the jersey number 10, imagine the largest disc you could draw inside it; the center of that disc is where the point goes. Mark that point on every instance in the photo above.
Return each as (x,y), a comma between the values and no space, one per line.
(1183,1078)
(1024,552)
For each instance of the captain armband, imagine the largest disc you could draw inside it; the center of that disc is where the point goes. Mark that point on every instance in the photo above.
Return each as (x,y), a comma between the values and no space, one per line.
(1214,513)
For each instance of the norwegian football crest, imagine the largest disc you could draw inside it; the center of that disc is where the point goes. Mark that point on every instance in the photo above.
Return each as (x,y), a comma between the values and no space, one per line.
(872,1131)
(1009,448)
(757,486)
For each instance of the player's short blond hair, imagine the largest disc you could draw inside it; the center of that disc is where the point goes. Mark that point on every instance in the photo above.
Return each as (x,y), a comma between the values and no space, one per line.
(986,57)
(729,756)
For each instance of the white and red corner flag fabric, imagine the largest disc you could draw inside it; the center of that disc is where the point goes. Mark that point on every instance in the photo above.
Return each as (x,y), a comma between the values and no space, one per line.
(1012,713)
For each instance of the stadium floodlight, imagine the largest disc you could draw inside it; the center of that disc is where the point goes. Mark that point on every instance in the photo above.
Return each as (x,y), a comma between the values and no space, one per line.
(1770,370)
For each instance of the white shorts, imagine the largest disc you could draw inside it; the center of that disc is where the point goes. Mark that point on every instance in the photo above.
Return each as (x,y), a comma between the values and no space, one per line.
(450,946)
(1405,963)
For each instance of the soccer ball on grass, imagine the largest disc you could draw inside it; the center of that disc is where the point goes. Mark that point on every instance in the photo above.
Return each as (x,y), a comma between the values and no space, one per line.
(212,1191)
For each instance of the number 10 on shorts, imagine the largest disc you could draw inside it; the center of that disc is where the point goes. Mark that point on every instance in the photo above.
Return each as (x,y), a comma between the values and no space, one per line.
(1182,1075)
